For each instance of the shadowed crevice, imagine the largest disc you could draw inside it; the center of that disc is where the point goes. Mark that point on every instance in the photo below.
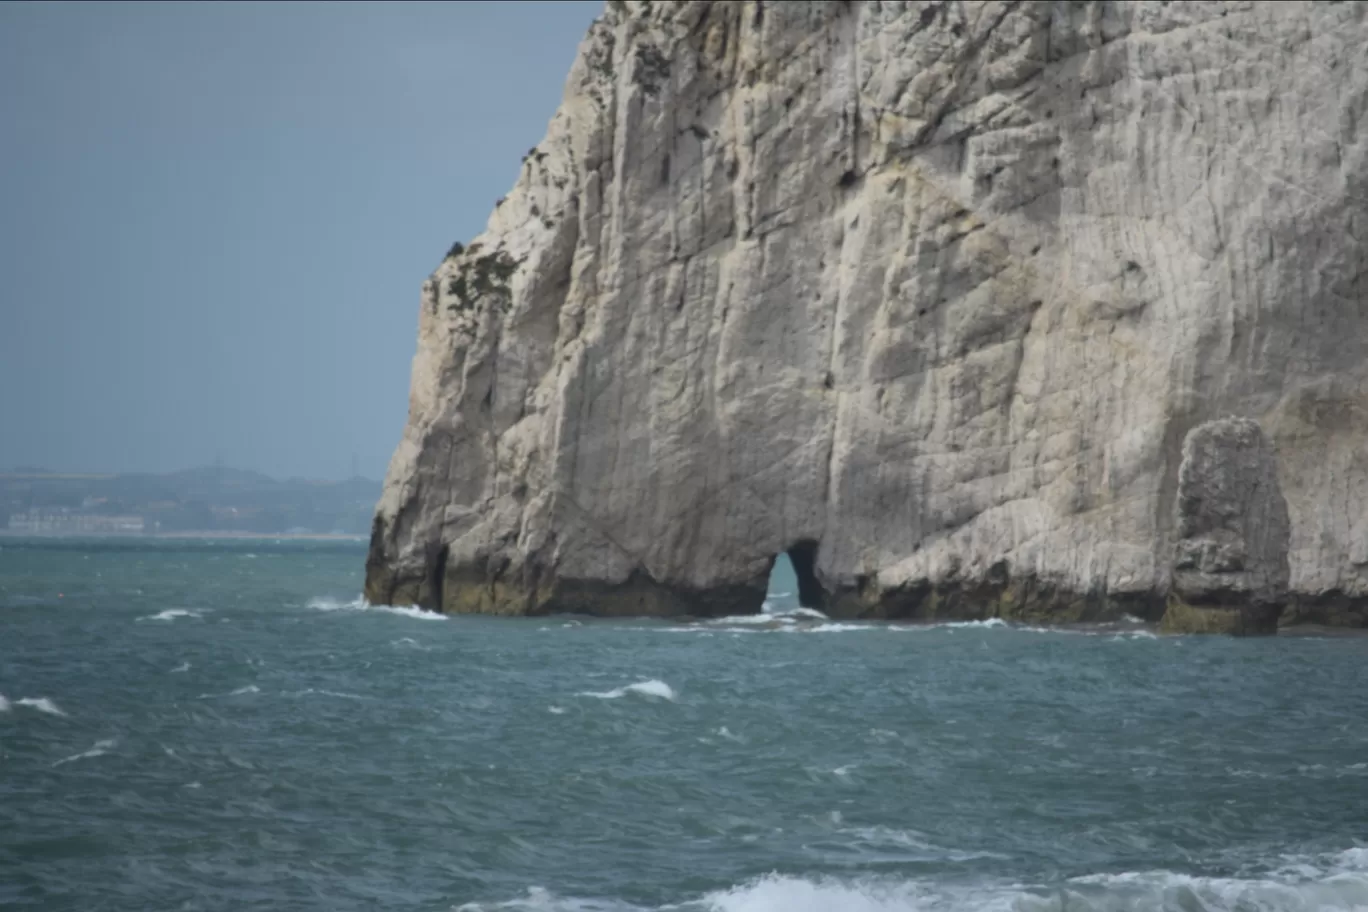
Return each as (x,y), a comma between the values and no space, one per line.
(436,577)
(811,594)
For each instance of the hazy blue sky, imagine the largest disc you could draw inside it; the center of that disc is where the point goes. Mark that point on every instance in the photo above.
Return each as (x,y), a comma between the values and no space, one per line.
(215,218)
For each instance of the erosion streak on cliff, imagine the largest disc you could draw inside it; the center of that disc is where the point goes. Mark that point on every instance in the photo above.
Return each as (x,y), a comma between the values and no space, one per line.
(953,301)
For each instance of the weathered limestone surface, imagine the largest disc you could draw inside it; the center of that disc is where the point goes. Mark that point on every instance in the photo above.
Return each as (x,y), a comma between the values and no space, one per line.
(1230,565)
(930,294)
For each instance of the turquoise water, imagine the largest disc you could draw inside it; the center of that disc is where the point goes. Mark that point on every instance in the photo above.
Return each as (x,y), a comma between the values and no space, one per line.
(223,726)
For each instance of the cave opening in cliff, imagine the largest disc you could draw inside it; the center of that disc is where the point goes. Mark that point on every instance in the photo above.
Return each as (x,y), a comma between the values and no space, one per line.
(436,576)
(793,579)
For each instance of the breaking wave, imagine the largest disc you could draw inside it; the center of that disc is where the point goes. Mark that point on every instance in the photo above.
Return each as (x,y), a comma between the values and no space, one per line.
(990,622)
(1160,890)
(834,627)
(360,604)
(651,688)
(769,618)
(1339,884)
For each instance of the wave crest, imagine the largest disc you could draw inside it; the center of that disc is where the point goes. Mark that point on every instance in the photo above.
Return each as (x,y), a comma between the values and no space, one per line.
(651,688)
(170,614)
(1337,883)
(360,604)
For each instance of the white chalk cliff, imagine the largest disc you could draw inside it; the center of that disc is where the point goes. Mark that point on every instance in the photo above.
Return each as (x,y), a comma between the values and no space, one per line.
(1031,309)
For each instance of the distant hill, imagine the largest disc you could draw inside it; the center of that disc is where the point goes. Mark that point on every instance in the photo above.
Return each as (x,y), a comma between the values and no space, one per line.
(206,499)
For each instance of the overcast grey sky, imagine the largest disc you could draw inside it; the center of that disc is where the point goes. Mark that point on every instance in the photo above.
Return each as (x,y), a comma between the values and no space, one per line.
(215,218)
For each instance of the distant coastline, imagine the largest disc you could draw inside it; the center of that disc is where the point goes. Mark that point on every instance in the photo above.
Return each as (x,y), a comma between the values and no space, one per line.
(199,534)
(210,502)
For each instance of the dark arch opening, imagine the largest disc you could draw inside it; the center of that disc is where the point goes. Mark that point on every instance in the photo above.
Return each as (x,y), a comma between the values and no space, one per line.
(803,556)
(436,577)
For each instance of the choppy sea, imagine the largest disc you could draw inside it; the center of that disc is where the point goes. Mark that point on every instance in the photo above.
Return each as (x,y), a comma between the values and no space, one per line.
(225,725)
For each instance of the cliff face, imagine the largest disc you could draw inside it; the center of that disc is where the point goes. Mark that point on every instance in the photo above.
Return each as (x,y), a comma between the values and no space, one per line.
(941,298)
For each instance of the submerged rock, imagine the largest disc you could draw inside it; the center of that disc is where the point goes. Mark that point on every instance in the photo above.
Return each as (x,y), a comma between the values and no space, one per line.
(928,295)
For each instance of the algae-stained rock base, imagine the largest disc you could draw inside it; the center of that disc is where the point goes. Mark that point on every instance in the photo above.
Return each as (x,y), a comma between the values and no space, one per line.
(1052,311)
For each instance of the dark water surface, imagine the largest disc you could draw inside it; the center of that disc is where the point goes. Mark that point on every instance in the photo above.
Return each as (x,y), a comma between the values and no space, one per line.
(204,725)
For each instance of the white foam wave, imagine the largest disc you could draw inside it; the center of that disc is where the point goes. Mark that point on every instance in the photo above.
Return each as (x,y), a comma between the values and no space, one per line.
(360,604)
(1304,890)
(802,620)
(170,614)
(42,704)
(1158,890)
(1336,883)
(4,704)
(741,620)
(832,628)
(181,668)
(1136,635)
(770,617)
(408,611)
(99,750)
(541,900)
(651,688)
(775,893)
(989,622)
(556,710)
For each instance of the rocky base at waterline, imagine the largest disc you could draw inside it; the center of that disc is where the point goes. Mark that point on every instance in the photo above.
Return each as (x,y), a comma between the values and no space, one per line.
(1026,601)
(967,603)
(1051,311)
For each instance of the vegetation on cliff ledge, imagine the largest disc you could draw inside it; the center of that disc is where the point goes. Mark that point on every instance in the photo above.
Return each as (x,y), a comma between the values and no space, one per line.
(484,276)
